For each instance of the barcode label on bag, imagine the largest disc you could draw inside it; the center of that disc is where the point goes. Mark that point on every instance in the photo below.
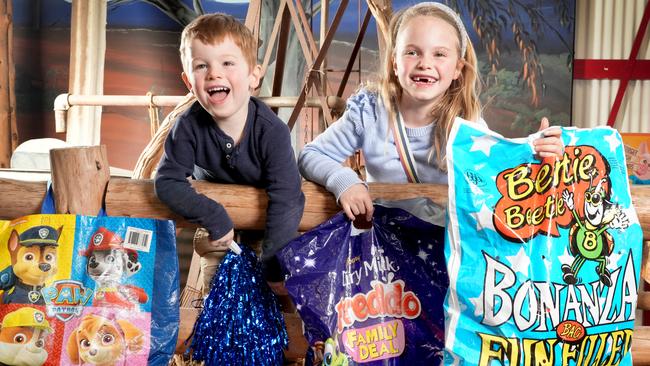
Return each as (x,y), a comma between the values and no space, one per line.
(138,239)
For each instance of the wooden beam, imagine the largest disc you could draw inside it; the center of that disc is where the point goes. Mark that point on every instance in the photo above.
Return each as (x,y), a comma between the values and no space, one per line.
(79,179)
(8,130)
(87,52)
(134,197)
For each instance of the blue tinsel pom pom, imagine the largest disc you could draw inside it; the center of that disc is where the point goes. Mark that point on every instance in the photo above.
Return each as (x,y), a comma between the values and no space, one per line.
(241,322)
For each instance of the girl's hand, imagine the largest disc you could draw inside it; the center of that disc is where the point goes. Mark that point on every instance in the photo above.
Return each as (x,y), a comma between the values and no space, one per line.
(550,144)
(202,247)
(356,201)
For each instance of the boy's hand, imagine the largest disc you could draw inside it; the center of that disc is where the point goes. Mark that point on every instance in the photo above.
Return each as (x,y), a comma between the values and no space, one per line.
(356,201)
(202,247)
(550,144)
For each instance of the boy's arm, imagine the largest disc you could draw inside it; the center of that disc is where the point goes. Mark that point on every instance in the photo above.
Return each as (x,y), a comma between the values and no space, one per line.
(173,188)
(286,200)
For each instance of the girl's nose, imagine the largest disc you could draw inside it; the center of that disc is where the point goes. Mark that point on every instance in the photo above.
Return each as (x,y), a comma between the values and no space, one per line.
(425,62)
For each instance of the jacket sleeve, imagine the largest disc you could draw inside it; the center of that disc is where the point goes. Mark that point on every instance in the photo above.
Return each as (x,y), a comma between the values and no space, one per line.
(173,188)
(283,187)
(321,160)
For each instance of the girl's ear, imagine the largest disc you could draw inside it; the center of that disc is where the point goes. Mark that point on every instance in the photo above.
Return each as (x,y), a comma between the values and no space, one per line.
(459,68)
(186,80)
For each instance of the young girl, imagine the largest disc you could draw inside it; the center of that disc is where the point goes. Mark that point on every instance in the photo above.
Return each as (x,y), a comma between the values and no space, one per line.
(428,78)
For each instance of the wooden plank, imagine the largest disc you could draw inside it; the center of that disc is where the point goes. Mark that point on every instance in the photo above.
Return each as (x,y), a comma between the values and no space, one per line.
(641,346)
(134,197)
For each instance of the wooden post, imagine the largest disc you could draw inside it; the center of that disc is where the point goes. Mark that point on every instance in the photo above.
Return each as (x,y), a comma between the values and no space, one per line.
(87,49)
(8,130)
(79,179)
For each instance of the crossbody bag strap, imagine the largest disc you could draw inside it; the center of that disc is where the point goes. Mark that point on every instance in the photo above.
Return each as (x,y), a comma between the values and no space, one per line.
(402,145)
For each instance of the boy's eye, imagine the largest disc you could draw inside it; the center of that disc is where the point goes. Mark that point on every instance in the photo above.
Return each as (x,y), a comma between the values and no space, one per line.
(200,66)
(440,54)
(411,53)
(228,63)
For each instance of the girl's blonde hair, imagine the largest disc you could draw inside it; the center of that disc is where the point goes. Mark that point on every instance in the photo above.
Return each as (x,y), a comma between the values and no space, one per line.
(460,100)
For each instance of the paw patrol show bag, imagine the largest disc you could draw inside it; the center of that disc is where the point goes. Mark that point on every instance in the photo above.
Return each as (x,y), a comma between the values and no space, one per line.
(87,290)
(371,297)
(543,255)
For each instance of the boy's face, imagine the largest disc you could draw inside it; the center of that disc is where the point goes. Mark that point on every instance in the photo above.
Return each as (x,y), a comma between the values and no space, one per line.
(220,78)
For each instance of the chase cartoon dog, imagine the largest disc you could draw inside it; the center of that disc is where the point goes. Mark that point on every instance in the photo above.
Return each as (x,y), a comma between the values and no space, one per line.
(22,338)
(100,341)
(108,264)
(33,261)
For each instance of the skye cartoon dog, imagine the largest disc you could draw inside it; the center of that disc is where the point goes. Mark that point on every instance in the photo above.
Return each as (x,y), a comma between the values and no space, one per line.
(22,338)
(99,341)
(108,263)
(589,239)
(33,261)
(641,169)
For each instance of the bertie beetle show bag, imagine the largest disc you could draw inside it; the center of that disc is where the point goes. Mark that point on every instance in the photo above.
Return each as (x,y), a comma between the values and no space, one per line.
(87,290)
(543,256)
(371,297)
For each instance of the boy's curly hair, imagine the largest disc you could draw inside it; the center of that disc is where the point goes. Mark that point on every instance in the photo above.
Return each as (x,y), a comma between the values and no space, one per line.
(214,28)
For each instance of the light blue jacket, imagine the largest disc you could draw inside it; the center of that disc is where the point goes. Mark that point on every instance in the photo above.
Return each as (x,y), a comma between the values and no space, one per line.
(364,125)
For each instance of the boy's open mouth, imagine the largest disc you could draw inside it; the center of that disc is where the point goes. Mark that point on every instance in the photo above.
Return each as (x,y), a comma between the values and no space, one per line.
(423,79)
(218,93)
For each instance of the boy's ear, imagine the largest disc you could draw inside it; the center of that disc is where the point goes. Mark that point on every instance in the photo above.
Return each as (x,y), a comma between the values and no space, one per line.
(254,77)
(186,80)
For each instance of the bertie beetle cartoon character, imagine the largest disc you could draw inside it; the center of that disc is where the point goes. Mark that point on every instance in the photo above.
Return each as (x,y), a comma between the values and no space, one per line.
(22,337)
(108,264)
(588,237)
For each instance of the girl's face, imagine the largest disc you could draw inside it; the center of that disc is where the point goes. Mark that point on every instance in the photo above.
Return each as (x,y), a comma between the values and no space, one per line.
(426,59)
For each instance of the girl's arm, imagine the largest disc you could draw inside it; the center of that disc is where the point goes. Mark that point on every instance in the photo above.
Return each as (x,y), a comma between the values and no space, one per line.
(321,161)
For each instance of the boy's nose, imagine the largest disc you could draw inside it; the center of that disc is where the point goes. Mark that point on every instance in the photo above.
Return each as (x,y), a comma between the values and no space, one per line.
(214,73)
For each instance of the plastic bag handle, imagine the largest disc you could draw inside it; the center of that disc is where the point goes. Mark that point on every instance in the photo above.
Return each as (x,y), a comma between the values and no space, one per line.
(49,207)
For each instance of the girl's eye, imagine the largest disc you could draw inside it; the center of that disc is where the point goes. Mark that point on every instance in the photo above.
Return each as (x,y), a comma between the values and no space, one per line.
(228,63)
(411,53)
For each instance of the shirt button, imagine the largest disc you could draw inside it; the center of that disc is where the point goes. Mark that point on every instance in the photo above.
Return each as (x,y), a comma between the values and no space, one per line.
(228,145)
(227,156)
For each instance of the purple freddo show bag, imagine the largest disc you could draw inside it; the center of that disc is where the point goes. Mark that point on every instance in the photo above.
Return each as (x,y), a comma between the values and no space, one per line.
(543,255)
(372,297)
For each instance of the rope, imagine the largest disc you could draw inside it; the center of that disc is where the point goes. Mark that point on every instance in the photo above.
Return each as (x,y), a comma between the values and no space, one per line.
(154,119)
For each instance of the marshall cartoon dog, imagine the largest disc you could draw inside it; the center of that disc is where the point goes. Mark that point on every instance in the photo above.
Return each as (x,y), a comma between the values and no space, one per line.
(589,239)
(108,264)
(33,261)
(100,341)
(22,338)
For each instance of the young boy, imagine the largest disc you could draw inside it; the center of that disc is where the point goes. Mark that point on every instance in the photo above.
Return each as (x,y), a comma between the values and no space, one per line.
(228,136)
